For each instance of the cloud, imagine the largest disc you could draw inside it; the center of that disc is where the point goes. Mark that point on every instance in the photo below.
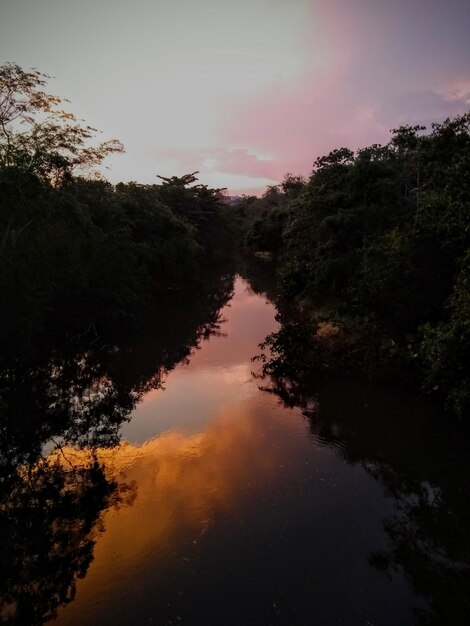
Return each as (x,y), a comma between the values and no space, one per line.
(238,169)
(457,91)
(386,66)
(268,85)
(232,161)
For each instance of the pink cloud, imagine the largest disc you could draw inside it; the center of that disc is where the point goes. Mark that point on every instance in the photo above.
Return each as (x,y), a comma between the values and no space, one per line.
(296,125)
(231,161)
(368,67)
(383,66)
(457,91)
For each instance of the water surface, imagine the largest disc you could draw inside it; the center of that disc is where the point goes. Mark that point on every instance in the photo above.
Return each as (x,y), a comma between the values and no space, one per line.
(237,509)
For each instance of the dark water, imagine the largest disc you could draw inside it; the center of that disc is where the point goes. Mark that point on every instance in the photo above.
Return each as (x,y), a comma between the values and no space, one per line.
(220,503)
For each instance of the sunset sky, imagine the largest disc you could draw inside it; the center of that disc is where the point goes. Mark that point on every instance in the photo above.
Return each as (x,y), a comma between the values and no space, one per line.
(243,91)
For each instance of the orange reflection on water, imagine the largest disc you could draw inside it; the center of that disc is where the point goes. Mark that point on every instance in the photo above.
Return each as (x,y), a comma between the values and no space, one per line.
(185,484)
(232,449)
(218,374)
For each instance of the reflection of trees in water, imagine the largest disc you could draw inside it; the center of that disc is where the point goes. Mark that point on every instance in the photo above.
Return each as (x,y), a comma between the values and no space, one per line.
(424,465)
(82,392)
(430,540)
(78,394)
(49,522)
(260,274)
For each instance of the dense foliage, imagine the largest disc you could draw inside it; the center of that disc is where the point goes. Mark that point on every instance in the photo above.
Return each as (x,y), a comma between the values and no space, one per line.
(93,278)
(375,246)
(75,250)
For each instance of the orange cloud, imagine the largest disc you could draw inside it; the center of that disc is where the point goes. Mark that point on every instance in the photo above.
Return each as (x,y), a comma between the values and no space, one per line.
(184,484)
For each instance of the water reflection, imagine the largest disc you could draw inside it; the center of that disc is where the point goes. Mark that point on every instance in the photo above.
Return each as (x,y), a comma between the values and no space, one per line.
(49,523)
(219,372)
(59,412)
(246,515)
(423,464)
(219,503)
(240,517)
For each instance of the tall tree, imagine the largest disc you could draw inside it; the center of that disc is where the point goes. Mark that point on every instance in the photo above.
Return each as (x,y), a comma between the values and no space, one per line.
(37,135)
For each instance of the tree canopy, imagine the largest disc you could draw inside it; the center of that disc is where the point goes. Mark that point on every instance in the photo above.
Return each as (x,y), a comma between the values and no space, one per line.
(38,136)
(380,239)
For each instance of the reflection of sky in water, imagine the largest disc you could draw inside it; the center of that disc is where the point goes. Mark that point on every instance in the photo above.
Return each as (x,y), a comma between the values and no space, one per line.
(218,375)
(237,505)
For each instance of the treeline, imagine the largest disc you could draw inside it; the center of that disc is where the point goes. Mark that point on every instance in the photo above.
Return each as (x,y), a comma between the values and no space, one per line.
(103,290)
(92,248)
(373,251)
(76,251)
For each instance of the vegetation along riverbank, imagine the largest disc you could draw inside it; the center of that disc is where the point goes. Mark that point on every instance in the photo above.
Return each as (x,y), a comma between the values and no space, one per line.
(372,251)
(373,262)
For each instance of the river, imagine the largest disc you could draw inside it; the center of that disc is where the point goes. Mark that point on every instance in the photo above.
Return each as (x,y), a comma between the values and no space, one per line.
(236,509)
(241,516)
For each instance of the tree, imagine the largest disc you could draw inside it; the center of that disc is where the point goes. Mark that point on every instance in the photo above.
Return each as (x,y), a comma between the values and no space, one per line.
(292,184)
(37,136)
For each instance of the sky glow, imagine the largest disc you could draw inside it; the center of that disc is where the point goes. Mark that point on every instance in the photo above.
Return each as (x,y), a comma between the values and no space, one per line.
(243,91)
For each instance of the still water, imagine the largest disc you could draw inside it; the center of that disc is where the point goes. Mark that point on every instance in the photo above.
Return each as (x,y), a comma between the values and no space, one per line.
(232,507)
(237,513)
